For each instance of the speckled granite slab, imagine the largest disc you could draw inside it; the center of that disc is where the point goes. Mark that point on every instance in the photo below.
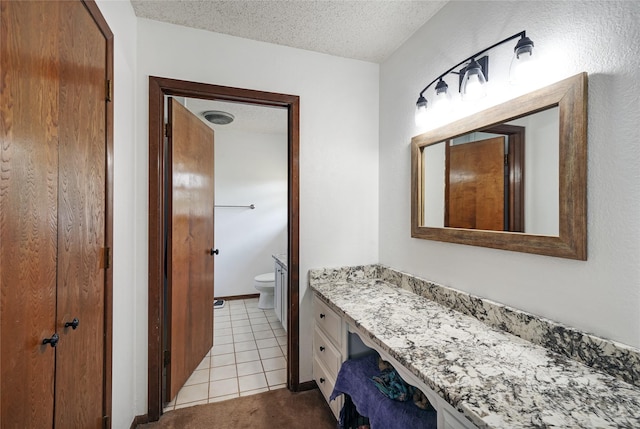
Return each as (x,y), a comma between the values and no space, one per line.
(496,379)
(616,359)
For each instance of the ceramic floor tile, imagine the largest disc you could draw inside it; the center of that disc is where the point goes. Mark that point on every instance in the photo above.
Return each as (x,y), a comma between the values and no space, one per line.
(258,320)
(284,351)
(260,335)
(222,349)
(219,340)
(252,382)
(261,327)
(240,338)
(247,356)
(279,332)
(267,343)
(256,310)
(276,377)
(282,340)
(221,332)
(223,360)
(223,398)
(205,363)
(270,352)
(241,322)
(239,316)
(271,364)
(196,392)
(242,329)
(223,387)
(224,372)
(277,386)
(191,404)
(254,392)
(245,345)
(248,368)
(198,376)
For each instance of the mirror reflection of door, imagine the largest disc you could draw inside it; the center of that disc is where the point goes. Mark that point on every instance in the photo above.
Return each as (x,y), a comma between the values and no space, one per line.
(484,180)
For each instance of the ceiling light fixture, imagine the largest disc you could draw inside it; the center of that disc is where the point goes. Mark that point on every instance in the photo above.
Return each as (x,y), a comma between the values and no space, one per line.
(218,117)
(475,73)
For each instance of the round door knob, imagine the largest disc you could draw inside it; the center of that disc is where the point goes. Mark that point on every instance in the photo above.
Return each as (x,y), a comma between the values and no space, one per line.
(73,324)
(53,341)
(322,315)
(214,251)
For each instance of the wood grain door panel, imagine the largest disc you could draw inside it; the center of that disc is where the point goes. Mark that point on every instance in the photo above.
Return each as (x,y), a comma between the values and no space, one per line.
(28,215)
(81,221)
(53,196)
(475,194)
(190,264)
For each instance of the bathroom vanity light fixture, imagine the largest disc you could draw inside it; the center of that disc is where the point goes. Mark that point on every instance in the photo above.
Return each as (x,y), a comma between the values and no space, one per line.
(474,74)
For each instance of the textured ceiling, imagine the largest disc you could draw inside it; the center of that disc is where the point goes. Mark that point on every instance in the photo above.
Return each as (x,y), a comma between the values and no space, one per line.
(361,29)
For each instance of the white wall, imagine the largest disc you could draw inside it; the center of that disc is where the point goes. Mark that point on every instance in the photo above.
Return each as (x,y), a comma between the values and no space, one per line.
(600,295)
(250,168)
(127,399)
(338,148)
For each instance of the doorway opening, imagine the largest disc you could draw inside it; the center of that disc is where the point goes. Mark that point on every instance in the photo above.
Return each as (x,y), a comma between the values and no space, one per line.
(159,88)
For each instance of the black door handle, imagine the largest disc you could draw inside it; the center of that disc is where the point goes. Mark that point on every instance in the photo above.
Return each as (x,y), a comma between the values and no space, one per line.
(53,341)
(73,324)
(214,251)
(321,348)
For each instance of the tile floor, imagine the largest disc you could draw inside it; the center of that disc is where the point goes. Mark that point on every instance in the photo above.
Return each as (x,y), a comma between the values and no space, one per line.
(248,356)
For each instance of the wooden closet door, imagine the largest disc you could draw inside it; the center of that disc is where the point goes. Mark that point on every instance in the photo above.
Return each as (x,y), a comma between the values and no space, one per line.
(29,72)
(81,220)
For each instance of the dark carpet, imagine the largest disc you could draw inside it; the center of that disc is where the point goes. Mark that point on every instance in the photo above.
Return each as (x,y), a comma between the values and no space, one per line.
(277,409)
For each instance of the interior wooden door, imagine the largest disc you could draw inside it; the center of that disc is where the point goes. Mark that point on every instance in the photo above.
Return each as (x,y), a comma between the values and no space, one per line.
(53,226)
(81,221)
(190,243)
(28,211)
(475,185)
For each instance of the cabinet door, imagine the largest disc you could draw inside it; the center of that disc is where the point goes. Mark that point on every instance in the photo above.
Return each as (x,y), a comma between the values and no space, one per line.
(285,298)
(28,210)
(277,292)
(81,220)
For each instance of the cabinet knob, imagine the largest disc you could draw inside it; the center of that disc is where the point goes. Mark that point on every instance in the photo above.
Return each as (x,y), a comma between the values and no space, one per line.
(321,348)
(73,324)
(321,380)
(322,315)
(214,251)
(53,341)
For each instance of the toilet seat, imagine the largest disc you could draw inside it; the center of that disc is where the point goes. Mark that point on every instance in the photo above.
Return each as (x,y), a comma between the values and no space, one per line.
(265,278)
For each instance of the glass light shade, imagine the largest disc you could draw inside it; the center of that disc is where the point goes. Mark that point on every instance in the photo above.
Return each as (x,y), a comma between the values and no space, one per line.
(442,99)
(523,68)
(473,83)
(421,112)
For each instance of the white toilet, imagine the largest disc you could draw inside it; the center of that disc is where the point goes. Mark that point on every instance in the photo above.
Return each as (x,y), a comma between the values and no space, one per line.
(265,283)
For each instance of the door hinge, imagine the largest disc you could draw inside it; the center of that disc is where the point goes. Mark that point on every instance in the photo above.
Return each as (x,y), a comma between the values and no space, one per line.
(167,357)
(106,263)
(506,159)
(167,130)
(109,90)
(106,422)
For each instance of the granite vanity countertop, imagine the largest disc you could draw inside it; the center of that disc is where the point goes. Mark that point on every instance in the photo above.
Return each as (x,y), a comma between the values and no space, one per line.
(497,380)
(281,258)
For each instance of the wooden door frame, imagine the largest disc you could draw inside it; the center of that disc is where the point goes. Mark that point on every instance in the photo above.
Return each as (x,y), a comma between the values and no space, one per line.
(158,88)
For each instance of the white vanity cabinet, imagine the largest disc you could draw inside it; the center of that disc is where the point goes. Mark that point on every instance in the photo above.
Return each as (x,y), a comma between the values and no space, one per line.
(332,335)
(330,349)
(280,302)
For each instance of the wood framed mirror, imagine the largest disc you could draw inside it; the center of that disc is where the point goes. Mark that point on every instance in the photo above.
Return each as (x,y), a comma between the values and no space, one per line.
(512,177)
